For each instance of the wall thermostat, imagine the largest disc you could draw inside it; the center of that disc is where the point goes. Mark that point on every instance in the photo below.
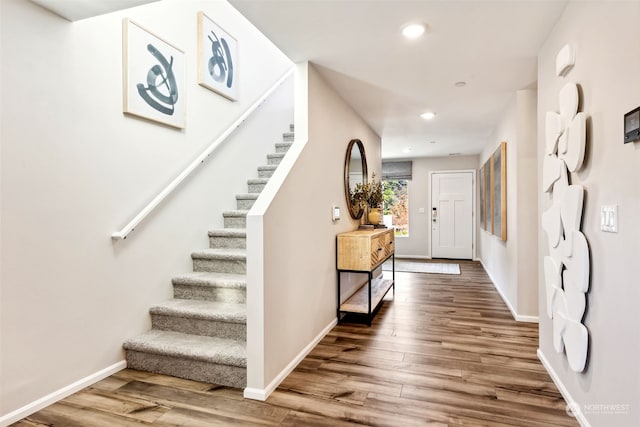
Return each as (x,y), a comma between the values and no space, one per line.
(632,126)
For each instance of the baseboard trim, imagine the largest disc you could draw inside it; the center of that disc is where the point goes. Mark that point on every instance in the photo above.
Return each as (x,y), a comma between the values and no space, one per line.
(563,390)
(412,257)
(263,394)
(60,394)
(514,313)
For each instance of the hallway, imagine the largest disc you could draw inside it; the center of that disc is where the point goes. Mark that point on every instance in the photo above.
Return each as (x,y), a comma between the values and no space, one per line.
(445,352)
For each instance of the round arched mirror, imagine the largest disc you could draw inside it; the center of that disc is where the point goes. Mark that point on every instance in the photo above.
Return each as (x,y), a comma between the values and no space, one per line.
(355,172)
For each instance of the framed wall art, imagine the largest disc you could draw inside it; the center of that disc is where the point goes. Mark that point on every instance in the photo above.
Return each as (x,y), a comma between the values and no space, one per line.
(487,195)
(217,58)
(499,191)
(482,198)
(153,77)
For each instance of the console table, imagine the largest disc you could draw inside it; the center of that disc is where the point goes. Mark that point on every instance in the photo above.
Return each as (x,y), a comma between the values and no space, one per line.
(363,251)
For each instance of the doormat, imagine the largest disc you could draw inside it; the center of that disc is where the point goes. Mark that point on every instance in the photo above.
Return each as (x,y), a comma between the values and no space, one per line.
(423,267)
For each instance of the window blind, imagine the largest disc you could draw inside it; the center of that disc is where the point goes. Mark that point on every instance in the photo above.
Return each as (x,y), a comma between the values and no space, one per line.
(397,170)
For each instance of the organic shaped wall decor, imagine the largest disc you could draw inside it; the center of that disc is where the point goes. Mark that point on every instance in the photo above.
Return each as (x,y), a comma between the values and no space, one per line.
(566,268)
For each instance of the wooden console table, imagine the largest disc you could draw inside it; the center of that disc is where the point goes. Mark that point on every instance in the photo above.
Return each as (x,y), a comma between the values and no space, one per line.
(363,251)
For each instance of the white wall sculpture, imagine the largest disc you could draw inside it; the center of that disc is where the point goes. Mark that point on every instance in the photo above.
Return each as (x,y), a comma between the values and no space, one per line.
(566,268)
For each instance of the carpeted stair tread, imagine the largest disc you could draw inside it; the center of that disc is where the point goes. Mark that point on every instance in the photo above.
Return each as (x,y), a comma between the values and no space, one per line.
(236,213)
(283,145)
(257,181)
(288,136)
(187,346)
(223,254)
(215,280)
(205,310)
(268,167)
(228,232)
(276,155)
(247,196)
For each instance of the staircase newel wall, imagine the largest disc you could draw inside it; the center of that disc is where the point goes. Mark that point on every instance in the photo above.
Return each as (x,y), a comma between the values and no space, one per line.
(296,273)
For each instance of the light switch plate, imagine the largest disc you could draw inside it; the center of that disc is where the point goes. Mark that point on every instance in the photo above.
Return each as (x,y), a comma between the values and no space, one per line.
(420,210)
(609,218)
(335,213)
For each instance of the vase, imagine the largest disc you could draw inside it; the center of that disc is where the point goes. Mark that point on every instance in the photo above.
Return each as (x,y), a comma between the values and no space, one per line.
(374,216)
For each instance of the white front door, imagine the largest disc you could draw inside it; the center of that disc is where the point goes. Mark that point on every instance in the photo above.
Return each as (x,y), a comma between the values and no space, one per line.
(452,215)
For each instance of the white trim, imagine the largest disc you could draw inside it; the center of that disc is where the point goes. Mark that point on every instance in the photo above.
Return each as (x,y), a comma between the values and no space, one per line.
(514,313)
(563,390)
(412,257)
(473,207)
(122,234)
(263,394)
(60,394)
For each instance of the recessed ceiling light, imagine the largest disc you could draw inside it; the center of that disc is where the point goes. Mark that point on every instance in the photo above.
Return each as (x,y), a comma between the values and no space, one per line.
(460,84)
(406,150)
(413,31)
(428,115)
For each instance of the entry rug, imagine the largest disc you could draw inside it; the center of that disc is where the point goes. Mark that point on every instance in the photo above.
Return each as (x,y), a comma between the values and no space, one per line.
(423,267)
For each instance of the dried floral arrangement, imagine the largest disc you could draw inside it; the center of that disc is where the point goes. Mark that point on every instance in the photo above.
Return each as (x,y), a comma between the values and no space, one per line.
(368,194)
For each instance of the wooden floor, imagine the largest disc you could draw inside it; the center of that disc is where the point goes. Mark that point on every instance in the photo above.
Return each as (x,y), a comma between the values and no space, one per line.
(444,352)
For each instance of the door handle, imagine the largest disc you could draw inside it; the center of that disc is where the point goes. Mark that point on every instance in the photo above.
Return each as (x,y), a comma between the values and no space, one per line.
(434,214)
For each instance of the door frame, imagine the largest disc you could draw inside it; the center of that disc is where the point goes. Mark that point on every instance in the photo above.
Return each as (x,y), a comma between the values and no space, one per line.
(474,218)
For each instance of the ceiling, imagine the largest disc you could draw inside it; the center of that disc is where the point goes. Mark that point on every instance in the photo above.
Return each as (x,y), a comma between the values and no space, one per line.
(74,10)
(358,48)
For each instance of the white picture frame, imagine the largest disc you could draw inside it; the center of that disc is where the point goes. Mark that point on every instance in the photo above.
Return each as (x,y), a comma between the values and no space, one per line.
(153,77)
(217,58)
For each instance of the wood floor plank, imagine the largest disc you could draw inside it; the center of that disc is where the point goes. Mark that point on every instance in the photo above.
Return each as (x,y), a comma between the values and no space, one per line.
(62,414)
(243,410)
(188,417)
(295,419)
(444,351)
(126,406)
(342,411)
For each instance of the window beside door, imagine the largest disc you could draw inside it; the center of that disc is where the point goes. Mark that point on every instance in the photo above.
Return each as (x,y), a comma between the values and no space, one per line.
(396,205)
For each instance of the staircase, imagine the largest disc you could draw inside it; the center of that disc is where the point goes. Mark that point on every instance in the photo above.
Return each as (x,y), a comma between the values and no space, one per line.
(201,334)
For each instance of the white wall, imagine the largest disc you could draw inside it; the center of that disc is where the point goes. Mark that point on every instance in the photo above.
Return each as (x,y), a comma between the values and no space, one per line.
(509,263)
(74,170)
(605,36)
(418,243)
(299,259)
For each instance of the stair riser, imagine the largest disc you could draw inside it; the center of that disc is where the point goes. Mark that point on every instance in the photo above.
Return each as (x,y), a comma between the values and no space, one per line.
(245,204)
(274,160)
(220,265)
(266,173)
(282,148)
(205,327)
(219,242)
(256,188)
(209,293)
(235,222)
(230,376)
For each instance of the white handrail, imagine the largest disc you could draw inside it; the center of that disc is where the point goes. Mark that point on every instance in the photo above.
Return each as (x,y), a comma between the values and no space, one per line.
(122,234)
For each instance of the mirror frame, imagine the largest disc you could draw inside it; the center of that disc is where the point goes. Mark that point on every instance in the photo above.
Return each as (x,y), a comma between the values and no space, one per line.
(355,211)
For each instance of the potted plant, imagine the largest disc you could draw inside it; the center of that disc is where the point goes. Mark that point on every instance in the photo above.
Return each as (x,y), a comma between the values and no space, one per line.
(370,196)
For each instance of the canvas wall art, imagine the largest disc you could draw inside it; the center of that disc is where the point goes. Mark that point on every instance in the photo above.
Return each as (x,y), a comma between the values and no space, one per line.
(499,191)
(482,198)
(217,58)
(153,77)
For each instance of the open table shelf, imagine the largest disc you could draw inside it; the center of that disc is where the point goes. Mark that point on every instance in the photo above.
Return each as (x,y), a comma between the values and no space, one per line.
(359,302)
